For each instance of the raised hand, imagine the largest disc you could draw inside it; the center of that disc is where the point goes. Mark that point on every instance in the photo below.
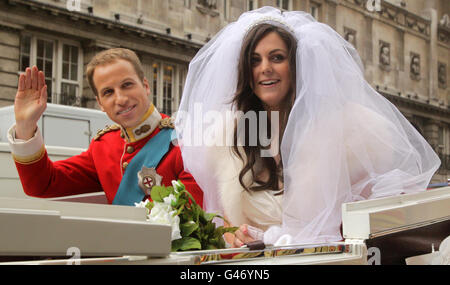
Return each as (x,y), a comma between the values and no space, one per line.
(30,102)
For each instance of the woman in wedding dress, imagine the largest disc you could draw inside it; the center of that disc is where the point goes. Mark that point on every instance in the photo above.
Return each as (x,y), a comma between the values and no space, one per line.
(333,139)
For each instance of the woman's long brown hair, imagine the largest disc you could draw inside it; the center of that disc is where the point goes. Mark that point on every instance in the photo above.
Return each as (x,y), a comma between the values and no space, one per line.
(245,100)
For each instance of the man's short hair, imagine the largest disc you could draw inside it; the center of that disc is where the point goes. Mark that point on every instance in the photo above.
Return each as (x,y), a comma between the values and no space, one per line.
(109,56)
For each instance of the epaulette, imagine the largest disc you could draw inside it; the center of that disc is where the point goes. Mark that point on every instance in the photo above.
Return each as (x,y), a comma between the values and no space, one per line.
(166,123)
(107,129)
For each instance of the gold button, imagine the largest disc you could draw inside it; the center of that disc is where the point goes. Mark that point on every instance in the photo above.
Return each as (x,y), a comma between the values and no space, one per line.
(130,149)
(124,165)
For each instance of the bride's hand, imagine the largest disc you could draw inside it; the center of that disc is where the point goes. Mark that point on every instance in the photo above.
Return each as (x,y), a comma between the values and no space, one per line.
(242,236)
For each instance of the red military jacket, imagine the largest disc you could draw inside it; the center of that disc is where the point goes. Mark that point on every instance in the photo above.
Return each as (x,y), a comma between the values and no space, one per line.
(102,165)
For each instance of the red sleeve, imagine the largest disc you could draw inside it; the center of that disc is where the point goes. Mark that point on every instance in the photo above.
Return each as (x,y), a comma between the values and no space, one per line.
(176,161)
(47,179)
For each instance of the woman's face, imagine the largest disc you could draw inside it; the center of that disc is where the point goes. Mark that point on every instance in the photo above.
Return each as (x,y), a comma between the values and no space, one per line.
(270,66)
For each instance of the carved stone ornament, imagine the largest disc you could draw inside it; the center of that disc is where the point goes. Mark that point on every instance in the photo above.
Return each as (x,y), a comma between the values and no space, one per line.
(385,56)
(208,7)
(445,21)
(350,36)
(442,75)
(415,66)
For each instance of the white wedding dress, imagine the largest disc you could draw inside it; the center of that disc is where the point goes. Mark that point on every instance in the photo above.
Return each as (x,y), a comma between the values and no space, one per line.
(343,141)
(263,209)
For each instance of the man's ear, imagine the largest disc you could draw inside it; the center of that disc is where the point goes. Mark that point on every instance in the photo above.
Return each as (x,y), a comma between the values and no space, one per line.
(146,85)
(99,104)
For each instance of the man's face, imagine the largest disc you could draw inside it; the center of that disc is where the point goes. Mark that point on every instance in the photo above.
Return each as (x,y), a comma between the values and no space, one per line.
(121,94)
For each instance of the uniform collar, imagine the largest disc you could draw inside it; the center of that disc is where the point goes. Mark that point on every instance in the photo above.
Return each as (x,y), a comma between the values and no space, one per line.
(147,125)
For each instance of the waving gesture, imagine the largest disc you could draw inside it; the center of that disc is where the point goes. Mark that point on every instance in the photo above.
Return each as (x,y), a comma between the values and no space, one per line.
(30,103)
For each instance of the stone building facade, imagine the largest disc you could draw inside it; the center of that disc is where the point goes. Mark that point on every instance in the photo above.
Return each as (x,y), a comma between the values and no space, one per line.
(404,46)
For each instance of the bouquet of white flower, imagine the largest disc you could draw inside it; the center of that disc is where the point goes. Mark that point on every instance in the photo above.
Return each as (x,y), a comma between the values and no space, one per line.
(192,228)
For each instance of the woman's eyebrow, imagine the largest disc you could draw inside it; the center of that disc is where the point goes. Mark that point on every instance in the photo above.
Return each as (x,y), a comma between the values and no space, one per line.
(271,52)
(277,50)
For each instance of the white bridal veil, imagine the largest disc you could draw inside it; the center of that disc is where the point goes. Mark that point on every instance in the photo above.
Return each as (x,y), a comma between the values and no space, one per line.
(343,141)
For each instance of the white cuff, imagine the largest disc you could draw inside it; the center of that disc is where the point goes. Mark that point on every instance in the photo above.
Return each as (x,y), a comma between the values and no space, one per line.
(26,151)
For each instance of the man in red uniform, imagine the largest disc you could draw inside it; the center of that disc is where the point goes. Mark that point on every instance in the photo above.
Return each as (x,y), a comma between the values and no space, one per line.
(113,162)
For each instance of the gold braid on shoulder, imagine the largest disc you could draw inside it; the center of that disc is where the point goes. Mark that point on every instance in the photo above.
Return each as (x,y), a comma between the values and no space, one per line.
(107,129)
(166,123)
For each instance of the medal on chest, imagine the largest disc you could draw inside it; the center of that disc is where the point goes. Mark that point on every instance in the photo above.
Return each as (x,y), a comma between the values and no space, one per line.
(147,178)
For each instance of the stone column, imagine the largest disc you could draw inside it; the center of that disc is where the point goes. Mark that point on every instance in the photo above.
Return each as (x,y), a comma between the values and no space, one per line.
(431,133)
(367,48)
(431,14)
(330,13)
(400,72)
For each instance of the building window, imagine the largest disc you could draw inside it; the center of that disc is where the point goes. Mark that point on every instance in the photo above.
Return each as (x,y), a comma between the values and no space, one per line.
(314,10)
(443,141)
(25,52)
(155,76)
(187,4)
(252,5)
(284,4)
(167,85)
(167,89)
(61,63)
(69,80)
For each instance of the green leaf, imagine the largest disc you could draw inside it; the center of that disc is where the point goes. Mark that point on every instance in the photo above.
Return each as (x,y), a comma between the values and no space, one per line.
(180,187)
(209,217)
(158,193)
(221,230)
(211,246)
(186,243)
(188,228)
(150,205)
(209,228)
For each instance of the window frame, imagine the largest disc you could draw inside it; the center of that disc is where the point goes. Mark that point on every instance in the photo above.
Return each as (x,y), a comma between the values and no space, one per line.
(317,6)
(179,74)
(255,4)
(280,5)
(57,62)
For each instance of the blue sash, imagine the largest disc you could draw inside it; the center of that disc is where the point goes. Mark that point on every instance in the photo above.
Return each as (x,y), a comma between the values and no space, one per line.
(149,156)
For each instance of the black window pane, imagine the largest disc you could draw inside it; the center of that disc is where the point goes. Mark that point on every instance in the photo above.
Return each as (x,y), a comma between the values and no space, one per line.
(48,69)
(74,55)
(74,72)
(24,62)
(25,50)
(40,48)
(48,50)
(65,71)
(68,94)
(49,90)
(25,45)
(66,53)
(155,83)
(40,63)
